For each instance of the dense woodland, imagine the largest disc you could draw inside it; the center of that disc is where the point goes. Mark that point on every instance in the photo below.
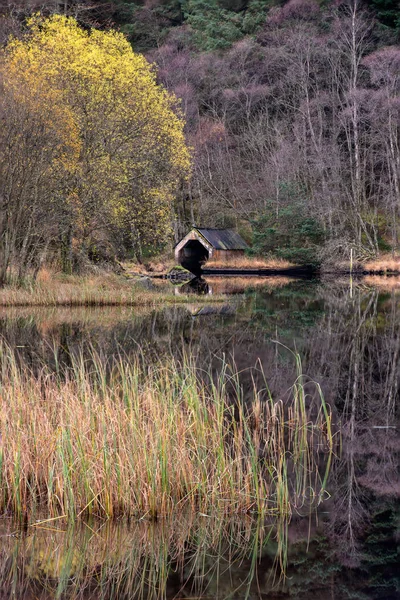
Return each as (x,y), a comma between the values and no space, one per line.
(292,118)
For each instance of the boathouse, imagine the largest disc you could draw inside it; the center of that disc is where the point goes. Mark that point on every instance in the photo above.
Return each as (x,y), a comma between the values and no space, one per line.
(208,245)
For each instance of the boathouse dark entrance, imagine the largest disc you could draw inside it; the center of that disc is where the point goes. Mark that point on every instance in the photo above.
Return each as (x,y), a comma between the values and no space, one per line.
(193,256)
(208,245)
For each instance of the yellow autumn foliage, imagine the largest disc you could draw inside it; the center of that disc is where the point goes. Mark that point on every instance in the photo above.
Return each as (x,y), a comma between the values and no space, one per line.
(121,135)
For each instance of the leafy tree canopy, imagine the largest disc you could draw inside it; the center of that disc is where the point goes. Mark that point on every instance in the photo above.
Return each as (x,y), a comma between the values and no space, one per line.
(126,132)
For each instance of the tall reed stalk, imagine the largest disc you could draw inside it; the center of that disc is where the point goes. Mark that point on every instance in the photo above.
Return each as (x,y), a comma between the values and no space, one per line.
(141,440)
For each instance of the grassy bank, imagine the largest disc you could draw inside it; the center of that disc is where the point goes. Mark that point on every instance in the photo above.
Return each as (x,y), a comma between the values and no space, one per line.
(250,262)
(102,290)
(385,264)
(148,441)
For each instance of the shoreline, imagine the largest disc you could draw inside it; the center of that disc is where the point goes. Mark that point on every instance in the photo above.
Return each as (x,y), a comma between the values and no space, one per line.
(111,290)
(92,291)
(384,265)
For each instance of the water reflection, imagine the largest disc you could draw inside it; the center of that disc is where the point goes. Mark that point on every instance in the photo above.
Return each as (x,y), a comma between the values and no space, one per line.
(349,341)
(196,557)
(198,286)
(186,557)
(229,285)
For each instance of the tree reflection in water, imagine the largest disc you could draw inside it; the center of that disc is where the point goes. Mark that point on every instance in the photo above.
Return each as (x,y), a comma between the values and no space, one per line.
(349,341)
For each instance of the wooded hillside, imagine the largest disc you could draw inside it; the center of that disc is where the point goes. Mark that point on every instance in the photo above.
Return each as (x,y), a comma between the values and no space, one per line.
(292,112)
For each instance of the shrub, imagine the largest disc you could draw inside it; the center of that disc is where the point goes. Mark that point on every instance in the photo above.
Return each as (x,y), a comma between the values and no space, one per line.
(291,234)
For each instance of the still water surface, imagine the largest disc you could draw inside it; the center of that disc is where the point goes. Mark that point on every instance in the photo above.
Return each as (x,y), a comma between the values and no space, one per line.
(348,337)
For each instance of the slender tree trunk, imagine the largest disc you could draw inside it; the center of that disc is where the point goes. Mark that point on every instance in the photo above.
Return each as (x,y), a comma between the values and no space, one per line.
(66,251)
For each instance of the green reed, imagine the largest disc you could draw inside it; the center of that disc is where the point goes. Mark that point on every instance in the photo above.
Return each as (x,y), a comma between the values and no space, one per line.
(138,440)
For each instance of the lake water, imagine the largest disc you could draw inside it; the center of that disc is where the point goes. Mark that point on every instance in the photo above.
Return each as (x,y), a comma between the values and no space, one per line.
(347,334)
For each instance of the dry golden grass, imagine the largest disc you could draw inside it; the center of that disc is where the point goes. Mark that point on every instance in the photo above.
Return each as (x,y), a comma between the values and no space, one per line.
(99,290)
(248,262)
(142,441)
(385,263)
(45,276)
(159,265)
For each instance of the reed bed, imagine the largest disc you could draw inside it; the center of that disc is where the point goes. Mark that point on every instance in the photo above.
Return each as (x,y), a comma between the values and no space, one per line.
(145,441)
(104,290)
